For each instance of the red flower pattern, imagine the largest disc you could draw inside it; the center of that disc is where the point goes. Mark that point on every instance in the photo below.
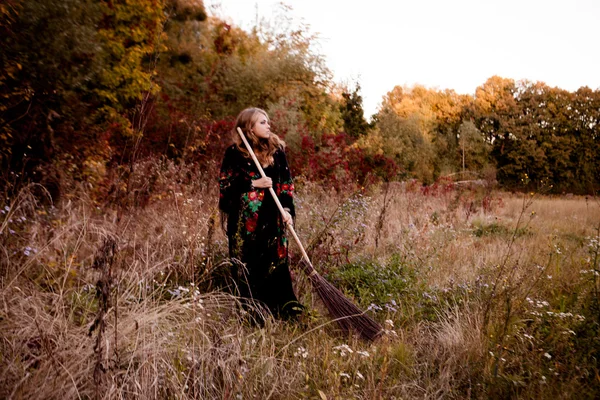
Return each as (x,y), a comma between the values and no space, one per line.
(284,188)
(281,251)
(251,223)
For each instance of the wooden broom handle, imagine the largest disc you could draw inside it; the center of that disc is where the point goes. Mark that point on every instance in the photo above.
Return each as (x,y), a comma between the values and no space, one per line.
(281,210)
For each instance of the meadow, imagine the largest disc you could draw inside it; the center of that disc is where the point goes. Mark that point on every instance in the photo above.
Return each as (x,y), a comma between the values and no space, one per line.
(482,293)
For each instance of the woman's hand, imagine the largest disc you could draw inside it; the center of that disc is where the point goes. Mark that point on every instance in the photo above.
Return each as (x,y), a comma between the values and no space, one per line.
(287,217)
(263,183)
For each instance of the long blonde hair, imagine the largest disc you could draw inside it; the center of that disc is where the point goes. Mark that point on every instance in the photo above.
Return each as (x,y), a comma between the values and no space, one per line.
(263,148)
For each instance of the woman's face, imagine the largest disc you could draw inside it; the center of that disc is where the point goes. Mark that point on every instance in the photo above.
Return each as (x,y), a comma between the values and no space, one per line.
(261,127)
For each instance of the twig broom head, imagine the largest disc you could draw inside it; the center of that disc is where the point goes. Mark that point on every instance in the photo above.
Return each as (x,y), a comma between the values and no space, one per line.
(348,316)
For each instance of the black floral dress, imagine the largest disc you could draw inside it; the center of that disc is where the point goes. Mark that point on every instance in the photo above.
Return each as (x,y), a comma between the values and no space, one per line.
(256,230)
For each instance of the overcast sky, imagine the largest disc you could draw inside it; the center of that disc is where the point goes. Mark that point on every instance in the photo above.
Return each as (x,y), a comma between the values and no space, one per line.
(454,44)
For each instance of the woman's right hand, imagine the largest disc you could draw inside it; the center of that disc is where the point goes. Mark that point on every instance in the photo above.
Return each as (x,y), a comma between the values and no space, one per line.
(263,183)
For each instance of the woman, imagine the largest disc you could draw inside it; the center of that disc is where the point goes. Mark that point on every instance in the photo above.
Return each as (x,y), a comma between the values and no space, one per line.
(254,226)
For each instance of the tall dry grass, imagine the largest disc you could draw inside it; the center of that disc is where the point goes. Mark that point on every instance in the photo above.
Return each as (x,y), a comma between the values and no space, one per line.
(482,293)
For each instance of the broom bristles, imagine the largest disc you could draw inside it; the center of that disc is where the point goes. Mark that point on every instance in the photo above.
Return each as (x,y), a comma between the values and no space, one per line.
(348,316)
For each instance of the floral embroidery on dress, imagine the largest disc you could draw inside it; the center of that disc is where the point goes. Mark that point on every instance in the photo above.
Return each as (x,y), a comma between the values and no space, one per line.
(282,251)
(251,223)
(285,188)
(225,180)
(252,202)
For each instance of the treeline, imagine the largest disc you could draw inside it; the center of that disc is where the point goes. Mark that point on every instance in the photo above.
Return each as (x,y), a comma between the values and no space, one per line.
(89,87)
(527,135)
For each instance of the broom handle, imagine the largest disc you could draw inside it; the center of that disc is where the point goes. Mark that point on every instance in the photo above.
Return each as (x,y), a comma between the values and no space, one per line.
(281,210)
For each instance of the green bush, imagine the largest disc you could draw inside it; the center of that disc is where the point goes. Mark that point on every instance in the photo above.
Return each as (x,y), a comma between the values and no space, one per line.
(370,282)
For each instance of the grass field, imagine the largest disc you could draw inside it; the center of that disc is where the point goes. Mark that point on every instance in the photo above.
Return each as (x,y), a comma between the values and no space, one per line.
(483,294)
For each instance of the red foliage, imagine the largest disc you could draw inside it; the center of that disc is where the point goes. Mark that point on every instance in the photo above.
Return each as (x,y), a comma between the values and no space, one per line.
(336,162)
(441,187)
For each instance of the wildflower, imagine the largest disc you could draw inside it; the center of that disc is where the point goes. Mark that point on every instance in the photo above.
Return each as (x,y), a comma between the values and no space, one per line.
(183,289)
(390,332)
(390,308)
(301,352)
(363,353)
(343,349)
(547,355)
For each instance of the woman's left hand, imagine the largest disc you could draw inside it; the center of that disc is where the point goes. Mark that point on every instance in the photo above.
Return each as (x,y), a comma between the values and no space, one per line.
(287,218)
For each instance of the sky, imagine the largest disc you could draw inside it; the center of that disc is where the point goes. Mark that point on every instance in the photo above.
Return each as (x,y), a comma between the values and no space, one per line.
(443,44)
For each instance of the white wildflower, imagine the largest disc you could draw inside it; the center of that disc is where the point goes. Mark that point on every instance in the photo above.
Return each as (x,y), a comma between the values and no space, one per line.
(363,353)
(343,349)
(301,352)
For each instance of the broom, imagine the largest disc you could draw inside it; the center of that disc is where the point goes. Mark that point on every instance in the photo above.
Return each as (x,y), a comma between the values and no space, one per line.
(347,314)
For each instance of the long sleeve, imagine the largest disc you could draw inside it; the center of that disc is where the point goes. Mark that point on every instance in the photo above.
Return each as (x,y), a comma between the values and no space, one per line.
(233,180)
(285,187)
(227,182)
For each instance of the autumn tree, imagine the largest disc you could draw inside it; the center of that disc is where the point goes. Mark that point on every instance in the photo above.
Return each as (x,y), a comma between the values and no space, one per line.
(47,64)
(213,69)
(540,135)
(402,140)
(353,115)
(429,120)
